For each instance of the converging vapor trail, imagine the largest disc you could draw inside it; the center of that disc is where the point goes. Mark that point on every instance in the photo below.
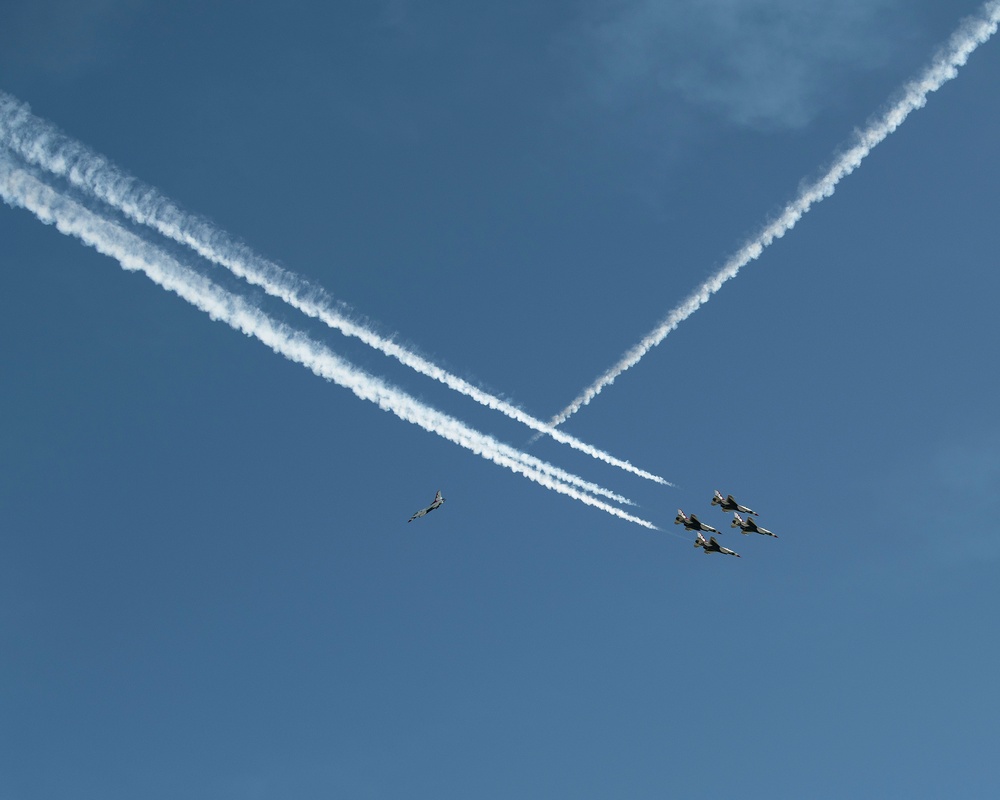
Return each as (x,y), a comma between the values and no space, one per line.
(19,188)
(42,144)
(973,32)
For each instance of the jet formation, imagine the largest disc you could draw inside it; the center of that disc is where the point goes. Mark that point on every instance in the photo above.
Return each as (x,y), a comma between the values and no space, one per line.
(690,522)
(728,504)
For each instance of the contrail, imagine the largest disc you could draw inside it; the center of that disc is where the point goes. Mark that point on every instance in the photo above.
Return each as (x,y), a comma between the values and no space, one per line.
(973,32)
(42,144)
(19,188)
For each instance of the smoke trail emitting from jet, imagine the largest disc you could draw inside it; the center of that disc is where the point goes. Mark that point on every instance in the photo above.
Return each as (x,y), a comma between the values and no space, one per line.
(973,32)
(19,188)
(42,144)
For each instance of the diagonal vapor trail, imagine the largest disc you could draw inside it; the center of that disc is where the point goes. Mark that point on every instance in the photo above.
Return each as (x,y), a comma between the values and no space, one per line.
(19,188)
(972,32)
(42,144)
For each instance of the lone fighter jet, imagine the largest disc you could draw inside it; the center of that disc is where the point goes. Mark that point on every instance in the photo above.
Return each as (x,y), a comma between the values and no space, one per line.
(749,525)
(712,546)
(692,523)
(729,504)
(438,500)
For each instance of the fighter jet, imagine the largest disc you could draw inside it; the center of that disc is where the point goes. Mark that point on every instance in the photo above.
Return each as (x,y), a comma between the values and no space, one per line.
(729,504)
(749,525)
(712,546)
(692,523)
(438,500)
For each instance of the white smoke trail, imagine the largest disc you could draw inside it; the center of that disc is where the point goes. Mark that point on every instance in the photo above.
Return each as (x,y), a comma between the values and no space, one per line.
(19,188)
(42,144)
(973,32)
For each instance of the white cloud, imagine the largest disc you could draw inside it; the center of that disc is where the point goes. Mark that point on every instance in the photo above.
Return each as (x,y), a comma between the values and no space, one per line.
(760,63)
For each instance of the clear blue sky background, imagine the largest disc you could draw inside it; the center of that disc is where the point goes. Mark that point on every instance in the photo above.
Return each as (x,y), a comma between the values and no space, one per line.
(208,588)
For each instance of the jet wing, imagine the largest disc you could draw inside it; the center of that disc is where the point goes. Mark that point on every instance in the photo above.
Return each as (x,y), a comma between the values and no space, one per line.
(421,512)
(702,526)
(737,507)
(722,549)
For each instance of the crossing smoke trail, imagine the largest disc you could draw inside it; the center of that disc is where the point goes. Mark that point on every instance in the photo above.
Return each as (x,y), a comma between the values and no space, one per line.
(973,32)
(18,188)
(44,145)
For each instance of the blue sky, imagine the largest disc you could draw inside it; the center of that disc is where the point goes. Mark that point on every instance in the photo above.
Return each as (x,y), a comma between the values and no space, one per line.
(207,584)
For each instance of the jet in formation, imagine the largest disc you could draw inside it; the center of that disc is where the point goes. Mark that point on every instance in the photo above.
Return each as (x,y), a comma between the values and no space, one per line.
(692,523)
(438,501)
(749,525)
(712,546)
(729,504)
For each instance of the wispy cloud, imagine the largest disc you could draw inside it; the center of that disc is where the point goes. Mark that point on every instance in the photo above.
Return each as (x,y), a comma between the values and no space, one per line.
(944,66)
(42,144)
(758,63)
(20,188)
